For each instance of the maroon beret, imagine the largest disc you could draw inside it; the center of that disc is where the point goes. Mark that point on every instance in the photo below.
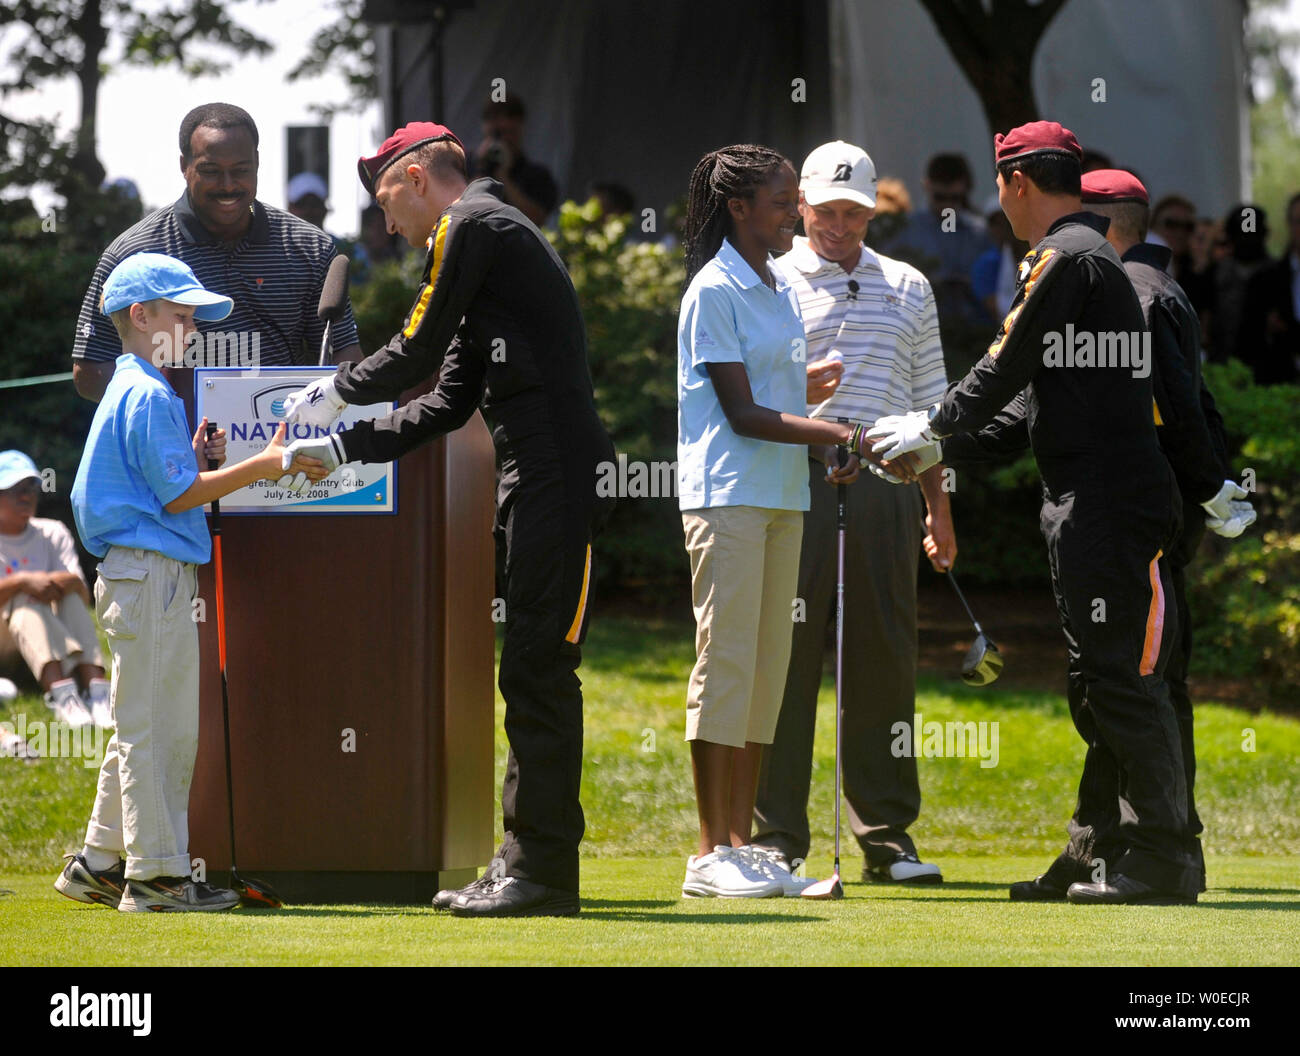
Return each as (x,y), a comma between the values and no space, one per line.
(1037,137)
(1113,185)
(404,140)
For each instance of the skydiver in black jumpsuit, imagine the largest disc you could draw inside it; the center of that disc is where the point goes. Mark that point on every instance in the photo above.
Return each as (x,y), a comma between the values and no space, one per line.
(498,320)
(1110,515)
(1188,425)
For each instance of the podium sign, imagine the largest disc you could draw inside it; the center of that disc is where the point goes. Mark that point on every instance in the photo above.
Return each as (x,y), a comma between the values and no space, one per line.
(249,405)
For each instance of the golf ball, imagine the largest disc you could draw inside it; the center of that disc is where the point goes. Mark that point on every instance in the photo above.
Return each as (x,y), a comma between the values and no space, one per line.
(7,690)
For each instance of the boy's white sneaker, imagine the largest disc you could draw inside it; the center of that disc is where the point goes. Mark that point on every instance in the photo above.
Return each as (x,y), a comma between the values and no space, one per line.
(772,863)
(727,873)
(64,700)
(98,696)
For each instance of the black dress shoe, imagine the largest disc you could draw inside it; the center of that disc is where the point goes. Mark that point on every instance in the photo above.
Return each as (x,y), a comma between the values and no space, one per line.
(1041,889)
(444,898)
(1124,890)
(512,896)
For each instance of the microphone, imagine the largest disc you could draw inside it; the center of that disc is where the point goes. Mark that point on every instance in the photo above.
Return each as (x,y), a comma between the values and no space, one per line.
(334,293)
(333,299)
(853,289)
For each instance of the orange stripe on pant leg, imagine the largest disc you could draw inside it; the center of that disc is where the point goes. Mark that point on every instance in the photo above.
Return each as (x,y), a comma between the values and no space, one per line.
(576,629)
(1155,618)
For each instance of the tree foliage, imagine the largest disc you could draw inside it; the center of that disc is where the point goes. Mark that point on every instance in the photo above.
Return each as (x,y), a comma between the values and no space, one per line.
(993,41)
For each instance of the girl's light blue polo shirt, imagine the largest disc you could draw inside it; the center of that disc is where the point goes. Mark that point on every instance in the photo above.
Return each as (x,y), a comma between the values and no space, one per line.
(138,458)
(729,315)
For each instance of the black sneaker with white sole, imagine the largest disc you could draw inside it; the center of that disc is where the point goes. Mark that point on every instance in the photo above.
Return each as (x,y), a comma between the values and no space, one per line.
(81,883)
(903,869)
(175,894)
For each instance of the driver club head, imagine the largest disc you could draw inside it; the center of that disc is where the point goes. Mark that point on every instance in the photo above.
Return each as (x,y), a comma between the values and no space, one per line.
(828,888)
(983,663)
(255,894)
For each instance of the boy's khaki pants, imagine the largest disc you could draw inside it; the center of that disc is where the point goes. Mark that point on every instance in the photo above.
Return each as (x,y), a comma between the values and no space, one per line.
(143,601)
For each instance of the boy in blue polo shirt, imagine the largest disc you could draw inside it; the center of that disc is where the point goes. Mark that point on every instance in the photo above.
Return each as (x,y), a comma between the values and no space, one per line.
(137,502)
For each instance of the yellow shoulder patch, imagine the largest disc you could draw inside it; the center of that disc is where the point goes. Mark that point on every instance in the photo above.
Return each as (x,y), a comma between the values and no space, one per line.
(1030,270)
(439,240)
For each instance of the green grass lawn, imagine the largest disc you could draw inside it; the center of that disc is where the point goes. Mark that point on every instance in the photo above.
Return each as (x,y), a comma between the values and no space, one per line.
(987,826)
(631,915)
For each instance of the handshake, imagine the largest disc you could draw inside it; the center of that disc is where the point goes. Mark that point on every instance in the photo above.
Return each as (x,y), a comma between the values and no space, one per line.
(904,446)
(318,404)
(898,447)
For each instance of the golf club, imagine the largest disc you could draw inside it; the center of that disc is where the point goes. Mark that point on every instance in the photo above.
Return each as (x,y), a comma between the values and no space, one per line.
(832,887)
(333,299)
(252,893)
(983,662)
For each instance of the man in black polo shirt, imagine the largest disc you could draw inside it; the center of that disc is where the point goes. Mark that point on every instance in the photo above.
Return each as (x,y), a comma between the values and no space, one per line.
(1110,515)
(271,263)
(497,319)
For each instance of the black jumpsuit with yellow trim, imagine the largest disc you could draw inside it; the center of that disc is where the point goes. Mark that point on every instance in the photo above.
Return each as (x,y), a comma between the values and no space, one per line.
(1110,514)
(498,318)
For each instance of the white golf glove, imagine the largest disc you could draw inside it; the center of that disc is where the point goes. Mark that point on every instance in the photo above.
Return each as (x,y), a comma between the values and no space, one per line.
(928,457)
(329,449)
(1241,516)
(896,434)
(1220,507)
(318,404)
(883,474)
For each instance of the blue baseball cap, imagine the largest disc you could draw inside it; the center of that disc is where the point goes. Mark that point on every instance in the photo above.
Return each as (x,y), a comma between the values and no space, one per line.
(15,467)
(155,276)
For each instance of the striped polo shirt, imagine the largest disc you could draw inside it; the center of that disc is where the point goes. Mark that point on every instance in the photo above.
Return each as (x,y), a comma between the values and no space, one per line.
(274,275)
(887,332)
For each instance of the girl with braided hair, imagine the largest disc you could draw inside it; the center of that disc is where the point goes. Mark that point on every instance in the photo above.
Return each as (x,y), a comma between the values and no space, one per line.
(742,487)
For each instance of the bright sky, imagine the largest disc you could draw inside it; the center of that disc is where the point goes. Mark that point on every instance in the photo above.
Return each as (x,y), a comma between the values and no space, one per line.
(140,111)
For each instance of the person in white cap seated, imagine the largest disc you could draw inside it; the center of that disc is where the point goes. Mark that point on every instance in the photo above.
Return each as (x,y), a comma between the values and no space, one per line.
(306,194)
(873,349)
(44,600)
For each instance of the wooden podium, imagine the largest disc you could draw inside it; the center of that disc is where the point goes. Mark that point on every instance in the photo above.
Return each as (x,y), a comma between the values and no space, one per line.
(360,664)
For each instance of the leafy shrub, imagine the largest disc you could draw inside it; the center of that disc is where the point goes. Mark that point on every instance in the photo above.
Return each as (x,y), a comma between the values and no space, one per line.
(630,293)
(1245,592)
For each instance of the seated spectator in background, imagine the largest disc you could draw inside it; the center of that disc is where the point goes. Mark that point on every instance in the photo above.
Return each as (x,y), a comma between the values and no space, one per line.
(44,600)
(374,245)
(1269,335)
(614,198)
(1245,227)
(530,187)
(1173,218)
(893,207)
(993,278)
(306,194)
(945,240)
(1206,247)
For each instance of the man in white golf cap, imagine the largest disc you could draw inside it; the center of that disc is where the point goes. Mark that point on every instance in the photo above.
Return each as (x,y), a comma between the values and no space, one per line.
(873,343)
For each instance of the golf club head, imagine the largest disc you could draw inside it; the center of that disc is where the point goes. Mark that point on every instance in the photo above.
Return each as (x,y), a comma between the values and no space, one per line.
(254,894)
(828,888)
(983,663)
